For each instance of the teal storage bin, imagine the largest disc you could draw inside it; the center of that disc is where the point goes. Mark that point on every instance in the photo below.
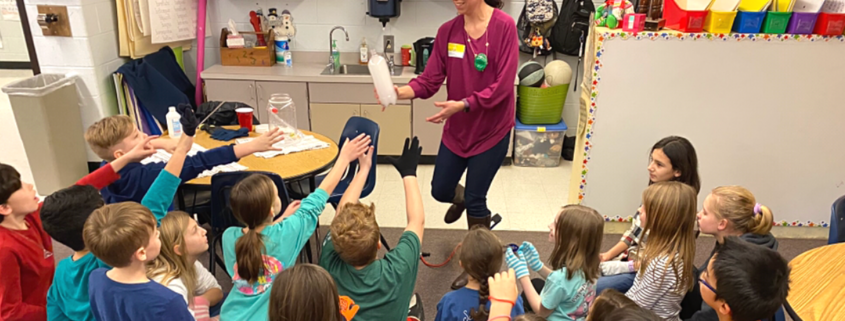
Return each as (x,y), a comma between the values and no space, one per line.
(538,145)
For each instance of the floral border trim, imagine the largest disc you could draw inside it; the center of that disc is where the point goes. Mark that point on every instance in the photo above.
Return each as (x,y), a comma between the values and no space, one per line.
(671,35)
(629,219)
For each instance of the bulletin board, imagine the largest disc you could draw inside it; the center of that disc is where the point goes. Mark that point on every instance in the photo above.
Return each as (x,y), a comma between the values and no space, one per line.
(763,111)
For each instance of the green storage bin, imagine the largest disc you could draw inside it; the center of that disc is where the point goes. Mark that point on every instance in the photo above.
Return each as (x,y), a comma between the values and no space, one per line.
(541,105)
(776,22)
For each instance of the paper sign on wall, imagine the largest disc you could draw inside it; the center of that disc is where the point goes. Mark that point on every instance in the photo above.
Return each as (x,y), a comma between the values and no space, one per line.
(9,10)
(808,5)
(173,20)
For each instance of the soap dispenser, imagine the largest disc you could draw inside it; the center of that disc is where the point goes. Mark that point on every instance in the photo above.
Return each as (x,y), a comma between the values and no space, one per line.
(335,54)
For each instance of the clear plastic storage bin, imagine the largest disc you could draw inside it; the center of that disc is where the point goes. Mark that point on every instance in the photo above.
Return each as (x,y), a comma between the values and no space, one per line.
(538,145)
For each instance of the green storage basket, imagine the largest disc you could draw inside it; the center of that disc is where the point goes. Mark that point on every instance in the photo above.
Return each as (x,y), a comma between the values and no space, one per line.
(541,105)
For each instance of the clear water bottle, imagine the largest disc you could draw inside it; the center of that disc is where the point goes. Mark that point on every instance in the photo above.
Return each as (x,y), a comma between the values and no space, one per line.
(282,113)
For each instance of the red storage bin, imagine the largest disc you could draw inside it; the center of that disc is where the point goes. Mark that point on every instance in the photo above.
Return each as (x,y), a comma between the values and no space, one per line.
(683,20)
(830,24)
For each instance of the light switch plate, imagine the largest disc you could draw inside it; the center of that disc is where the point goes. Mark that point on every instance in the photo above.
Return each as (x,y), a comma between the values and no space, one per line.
(388,41)
(60,22)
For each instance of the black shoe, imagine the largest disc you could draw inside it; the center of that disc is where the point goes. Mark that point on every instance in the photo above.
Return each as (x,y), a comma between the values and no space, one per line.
(415,308)
(460,281)
(482,221)
(457,209)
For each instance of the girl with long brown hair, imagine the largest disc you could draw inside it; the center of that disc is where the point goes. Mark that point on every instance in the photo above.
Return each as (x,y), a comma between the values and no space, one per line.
(665,272)
(177,268)
(304,292)
(570,280)
(481,257)
(256,254)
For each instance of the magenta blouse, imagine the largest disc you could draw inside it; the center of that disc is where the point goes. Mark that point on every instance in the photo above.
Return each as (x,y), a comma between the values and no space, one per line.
(490,93)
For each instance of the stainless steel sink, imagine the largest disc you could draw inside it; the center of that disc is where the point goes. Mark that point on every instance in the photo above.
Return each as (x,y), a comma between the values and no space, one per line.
(359,70)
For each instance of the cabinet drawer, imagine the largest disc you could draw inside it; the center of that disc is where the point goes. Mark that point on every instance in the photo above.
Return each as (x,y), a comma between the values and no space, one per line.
(333,93)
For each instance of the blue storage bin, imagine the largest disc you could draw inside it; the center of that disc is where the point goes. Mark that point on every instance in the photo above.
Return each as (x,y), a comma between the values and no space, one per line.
(538,145)
(749,22)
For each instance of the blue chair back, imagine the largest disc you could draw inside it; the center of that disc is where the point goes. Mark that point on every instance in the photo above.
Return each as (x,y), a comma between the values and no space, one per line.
(354,127)
(837,222)
(221,187)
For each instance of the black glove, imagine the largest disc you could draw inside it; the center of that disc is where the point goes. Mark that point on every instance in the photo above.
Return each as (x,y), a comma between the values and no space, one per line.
(407,163)
(189,119)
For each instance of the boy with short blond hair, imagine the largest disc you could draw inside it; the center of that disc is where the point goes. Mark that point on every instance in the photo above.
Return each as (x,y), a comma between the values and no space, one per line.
(372,289)
(112,136)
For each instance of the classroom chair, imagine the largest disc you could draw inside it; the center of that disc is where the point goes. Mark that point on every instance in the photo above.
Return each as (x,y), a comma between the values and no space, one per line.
(837,222)
(221,212)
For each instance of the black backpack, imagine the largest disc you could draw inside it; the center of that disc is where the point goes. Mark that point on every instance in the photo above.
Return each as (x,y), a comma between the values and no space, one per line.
(569,34)
(526,28)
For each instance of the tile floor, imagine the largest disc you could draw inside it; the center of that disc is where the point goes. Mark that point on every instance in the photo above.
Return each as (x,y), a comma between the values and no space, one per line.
(526,197)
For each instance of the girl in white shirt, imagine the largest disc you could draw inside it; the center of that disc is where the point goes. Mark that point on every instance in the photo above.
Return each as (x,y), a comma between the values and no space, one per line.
(664,272)
(176,267)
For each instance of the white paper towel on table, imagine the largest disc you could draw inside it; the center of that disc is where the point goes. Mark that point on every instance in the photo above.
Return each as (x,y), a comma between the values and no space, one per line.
(307,142)
(163,156)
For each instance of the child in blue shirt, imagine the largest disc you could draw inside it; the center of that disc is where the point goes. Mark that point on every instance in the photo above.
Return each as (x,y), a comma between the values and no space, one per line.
(255,254)
(124,236)
(111,137)
(481,257)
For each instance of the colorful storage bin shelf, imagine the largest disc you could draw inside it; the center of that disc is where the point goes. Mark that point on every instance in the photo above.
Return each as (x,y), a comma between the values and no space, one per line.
(540,105)
(776,22)
(830,24)
(683,20)
(719,22)
(538,146)
(802,23)
(749,22)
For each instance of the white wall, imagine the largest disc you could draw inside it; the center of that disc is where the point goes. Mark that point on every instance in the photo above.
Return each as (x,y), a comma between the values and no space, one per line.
(91,52)
(14,45)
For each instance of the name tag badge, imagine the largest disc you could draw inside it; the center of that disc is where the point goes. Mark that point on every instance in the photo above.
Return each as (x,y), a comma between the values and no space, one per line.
(456,50)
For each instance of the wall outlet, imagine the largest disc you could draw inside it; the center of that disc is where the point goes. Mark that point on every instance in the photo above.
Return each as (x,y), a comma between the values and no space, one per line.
(389,45)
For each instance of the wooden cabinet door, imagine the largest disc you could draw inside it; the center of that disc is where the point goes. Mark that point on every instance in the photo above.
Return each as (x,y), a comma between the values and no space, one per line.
(298,91)
(329,119)
(233,90)
(428,133)
(394,126)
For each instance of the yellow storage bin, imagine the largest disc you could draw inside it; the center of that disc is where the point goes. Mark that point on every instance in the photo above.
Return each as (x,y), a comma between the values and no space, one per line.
(719,22)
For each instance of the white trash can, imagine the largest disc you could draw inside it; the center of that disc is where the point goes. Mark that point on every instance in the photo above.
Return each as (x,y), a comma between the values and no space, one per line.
(47,112)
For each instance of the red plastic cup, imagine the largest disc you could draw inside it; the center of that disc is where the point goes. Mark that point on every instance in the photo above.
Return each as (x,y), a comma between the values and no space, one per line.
(245,117)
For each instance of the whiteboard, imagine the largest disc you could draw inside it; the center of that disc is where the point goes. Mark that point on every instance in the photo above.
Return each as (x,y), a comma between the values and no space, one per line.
(768,116)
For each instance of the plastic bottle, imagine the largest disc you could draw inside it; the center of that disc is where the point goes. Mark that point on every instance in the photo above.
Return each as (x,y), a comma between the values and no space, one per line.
(365,52)
(335,54)
(381,79)
(282,113)
(174,126)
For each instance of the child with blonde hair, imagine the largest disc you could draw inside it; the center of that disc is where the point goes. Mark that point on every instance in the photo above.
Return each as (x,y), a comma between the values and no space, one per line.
(733,211)
(376,289)
(255,255)
(570,284)
(665,273)
(481,257)
(177,267)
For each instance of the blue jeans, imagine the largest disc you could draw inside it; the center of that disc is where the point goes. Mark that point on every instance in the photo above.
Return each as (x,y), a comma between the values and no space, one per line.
(481,168)
(619,282)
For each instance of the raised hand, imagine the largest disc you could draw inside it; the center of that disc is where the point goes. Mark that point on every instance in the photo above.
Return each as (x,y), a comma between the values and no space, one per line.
(517,263)
(266,141)
(141,151)
(189,119)
(365,161)
(502,285)
(353,149)
(407,163)
(532,257)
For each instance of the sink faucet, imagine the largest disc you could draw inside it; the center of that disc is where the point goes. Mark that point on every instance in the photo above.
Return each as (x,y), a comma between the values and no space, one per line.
(331,59)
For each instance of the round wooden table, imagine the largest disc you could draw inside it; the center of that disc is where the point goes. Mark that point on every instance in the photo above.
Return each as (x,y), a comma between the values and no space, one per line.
(817,285)
(292,166)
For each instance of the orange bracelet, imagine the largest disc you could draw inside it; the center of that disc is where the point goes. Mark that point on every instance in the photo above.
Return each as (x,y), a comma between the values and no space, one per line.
(512,303)
(500,317)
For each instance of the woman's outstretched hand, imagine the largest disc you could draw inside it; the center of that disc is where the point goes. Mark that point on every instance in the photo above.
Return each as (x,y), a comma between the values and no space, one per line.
(448,109)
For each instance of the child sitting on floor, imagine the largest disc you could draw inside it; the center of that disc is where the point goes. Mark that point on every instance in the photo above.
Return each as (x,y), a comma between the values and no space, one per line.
(305,292)
(481,257)
(570,287)
(745,282)
(256,254)
(382,289)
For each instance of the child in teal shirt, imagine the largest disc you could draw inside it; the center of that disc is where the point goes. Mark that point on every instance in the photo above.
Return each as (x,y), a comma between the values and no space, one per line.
(256,254)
